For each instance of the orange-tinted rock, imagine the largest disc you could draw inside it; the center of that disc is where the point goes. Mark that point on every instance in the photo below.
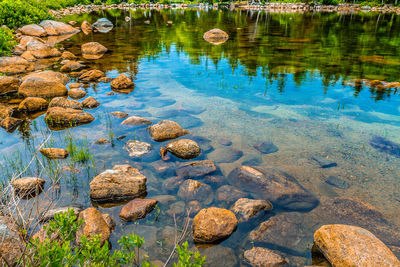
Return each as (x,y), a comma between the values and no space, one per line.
(91,75)
(54,153)
(93,224)
(260,257)
(90,102)
(14,65)
(68,55)
(93,50)
(9,84)
(137,209)
(76,93)
(184,148)
(122,82)
(133,120)
(32,30)
(31,104)
(119,114)
(195,190)
(57,28)
(28,186)
(213,224)
(65,103)
(58,116)
(10,124)
(246,209)
(166,130)
(216,36)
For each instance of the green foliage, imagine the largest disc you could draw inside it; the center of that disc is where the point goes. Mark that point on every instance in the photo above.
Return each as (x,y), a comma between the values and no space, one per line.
(7,41)
(188,258)
(59,249)
(112,2)
(330,2)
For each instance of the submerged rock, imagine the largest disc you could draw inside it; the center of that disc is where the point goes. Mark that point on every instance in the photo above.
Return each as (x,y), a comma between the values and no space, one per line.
(133,120)
(195,169)
(225,155)
(93,224)
(9,84)
(213,224)
(216,36)
(54,153)
(28,187)
(57,28)
(229,194)
(218,255)
(386,146)
(32,104)
(137,209)
(258,256)
(245,208)
(324,162)
(184,148)
(137,148)
(122,182)
(166,130)
(337,182)
(71,65)
(10,124)
(93,50)
(49,215)
(119,114)
(266,147)
(122,82)
(90,102)
(195,190)
(272,184)
(345,245)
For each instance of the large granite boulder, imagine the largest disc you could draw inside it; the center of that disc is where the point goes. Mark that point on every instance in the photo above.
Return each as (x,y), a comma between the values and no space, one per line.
(274,185)
(213,225)
(120,183)
(345,245)
(57,28)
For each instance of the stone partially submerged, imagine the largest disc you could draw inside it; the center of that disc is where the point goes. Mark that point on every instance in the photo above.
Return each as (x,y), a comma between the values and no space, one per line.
(120,183)
(59,117)
(103,25)
(57,28)
(14,65)
(216,36)
(28,187)
(93,50)
(137,209)
(184,148)
(33,30)
(274,185)
(166,130)
(137,148)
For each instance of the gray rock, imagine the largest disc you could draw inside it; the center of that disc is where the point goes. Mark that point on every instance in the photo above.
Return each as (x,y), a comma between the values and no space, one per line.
(246,209)
(49,215)
(324,162)
(196,169)
(103,25)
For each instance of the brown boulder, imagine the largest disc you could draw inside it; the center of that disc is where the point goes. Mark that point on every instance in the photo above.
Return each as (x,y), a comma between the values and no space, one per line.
(133,120)
(166,130)
(122,82)
(137,209)
(213,224)
(14,65)
(28,186)
(54,153)
(48,75)
(216,36)
(57,28)
(245,208)
(260,257)
(93,50)
(184,148)
(39,87)
(71,65)
(65,103)
(5,111)
(86,27)
(90,102)
(28,56)
(58,116)
(10,124)
(195,190)
(68,55)
(32,104)
(76,93)
(9,84)
(91,75)
(40,50)
(32,30)
(195,169)
(93,224)
(345,245)
(12,245)
(122,182)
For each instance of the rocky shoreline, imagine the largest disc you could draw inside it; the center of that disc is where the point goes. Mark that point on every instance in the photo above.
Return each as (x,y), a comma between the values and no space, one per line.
(268,7)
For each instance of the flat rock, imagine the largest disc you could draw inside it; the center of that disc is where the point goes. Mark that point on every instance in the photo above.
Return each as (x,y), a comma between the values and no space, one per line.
(213,224)
(71,66)
(195,169)
(40,87)
(14,65)
(54,153)
(48,75)
(184,148)
(33,30)
(62,117)
(345,245)
(166,130)
(122,82)
(229,194)
(134,120)
(122,182)
(272,184)
(76,93)
(195,190)
(245,208)
(119,114)
(9,84)
(137,209)
(258,256)
(33,104)
(266,147)
(324,162)
(41,50)
(137,148)
(93,224)
(386,146)
(65,103)
(337,182)
(90,102)
(57,28)
(28,186)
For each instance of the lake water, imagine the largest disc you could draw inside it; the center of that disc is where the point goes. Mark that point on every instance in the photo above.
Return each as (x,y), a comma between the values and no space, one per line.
(282,78)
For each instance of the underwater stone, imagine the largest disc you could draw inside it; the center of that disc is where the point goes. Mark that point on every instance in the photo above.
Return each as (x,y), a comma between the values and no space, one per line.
(324,162)
(386,146)
(337,182)
(266,147)
(137,148)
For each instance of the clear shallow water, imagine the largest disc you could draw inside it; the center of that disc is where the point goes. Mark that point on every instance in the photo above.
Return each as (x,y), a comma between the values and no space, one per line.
(280,77)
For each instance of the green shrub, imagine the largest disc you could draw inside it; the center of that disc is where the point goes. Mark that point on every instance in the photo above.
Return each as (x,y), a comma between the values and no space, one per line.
(330,2)
(7,41)
(58,248)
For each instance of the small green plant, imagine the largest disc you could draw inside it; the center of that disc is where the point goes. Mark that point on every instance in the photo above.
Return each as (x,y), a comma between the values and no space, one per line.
(7,41)
(188,258)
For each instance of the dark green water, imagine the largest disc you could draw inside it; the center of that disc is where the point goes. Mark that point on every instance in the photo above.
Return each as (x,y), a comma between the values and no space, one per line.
(281,78)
